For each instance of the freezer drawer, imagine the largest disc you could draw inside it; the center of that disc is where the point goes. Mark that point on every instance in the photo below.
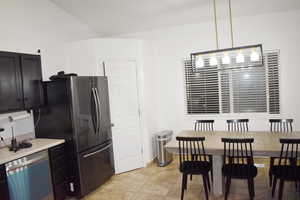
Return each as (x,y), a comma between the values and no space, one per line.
(96,167)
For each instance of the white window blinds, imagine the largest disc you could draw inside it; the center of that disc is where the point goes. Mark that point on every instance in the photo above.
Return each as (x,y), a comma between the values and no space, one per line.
(272,61)
(202,89)
(226,90)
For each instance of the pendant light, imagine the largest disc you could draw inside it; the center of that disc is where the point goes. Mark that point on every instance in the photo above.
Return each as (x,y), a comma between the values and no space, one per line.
(226,59)
(213,61)
(199,62)
(254,56)
(240,58)
(234,57)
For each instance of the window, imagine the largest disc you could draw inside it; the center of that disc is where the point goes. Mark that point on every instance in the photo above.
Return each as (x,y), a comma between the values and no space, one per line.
(213,90)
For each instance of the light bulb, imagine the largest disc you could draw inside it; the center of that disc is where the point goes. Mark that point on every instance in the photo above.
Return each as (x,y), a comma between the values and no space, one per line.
(199,62)
(254,56)
(213,61)
(226,60)
(240,58)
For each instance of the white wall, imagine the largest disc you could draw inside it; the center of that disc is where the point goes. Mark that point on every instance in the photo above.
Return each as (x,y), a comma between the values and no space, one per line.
(166,48)
(85,58)
(28,25)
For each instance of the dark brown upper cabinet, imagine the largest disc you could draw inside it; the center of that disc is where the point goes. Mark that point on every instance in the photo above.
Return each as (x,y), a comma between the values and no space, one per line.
(20,82)
(32,79)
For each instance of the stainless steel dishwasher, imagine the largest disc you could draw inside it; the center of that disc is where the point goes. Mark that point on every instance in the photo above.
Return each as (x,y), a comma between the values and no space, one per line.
(29,178)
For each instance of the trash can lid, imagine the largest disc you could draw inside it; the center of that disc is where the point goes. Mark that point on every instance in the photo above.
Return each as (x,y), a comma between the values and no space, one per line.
(164,134)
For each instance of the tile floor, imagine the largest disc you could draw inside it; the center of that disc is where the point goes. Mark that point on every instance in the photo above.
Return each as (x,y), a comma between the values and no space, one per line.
(164,183)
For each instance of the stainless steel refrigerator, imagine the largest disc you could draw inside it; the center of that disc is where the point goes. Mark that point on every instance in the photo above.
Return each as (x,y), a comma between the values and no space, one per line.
(77,109)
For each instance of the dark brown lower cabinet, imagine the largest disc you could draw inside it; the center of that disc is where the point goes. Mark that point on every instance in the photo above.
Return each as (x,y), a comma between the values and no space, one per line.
(58,165)
(4,192)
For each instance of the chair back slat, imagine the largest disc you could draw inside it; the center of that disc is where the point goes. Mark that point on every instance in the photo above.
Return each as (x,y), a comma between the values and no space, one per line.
(281,125)
(204,125)
(238,125)
(238,151)
(191,149)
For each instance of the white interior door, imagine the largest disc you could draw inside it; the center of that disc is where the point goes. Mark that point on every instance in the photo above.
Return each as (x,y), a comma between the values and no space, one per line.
(124,105)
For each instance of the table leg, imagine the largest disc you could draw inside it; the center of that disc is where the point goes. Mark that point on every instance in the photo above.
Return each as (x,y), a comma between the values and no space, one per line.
(218,178)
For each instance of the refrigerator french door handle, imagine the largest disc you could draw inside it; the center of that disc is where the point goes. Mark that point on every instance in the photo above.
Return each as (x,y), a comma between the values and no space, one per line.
(97,109)
(93,104)
(100,150)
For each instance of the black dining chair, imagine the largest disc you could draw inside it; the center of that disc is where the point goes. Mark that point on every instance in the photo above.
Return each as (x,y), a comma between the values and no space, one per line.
(205,125)
(288,168)
(238,125)
(199,165)
(280,126)
(238,163)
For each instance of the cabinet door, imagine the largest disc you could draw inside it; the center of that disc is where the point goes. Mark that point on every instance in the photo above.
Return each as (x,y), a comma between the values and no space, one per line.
(58,171)
(11,98)
(32,80)
(4,192)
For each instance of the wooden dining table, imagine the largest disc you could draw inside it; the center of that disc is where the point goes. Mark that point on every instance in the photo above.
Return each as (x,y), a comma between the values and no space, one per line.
(266,144)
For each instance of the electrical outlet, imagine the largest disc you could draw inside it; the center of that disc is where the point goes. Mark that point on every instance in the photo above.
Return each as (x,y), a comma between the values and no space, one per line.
(258,165)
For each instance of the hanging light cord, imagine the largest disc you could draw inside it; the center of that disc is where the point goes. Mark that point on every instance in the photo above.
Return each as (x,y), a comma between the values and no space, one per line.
(231,27)
(216,25)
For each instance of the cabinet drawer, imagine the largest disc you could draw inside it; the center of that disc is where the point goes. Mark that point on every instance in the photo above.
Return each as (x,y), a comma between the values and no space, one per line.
(57,151)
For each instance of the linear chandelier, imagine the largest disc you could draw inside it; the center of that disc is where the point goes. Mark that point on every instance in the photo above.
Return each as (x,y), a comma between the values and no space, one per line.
(229,58)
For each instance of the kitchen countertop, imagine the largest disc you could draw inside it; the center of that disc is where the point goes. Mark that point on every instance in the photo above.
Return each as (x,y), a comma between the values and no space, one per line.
(38,144)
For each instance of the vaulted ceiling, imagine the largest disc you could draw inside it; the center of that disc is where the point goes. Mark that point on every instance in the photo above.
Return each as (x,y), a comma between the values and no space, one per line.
(115,17)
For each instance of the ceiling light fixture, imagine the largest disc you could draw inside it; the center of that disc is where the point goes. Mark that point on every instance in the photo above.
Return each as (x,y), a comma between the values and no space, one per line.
(254,56)
(240,58)
(199,62)
(213,61)
(236,57)
(226,59)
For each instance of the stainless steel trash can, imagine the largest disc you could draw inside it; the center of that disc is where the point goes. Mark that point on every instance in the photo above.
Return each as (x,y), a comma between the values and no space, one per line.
(163,157)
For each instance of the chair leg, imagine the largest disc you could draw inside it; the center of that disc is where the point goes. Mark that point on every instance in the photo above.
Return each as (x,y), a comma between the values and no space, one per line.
(251,188)
(208,181)
(184,176)
(193,158)
(274,186)
(205,186)
(270,173)
(185,182)
(281,185)
(211,171)
(227,186)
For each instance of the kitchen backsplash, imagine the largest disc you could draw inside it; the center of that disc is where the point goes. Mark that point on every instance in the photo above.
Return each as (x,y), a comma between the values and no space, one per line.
(23,129)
